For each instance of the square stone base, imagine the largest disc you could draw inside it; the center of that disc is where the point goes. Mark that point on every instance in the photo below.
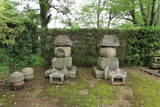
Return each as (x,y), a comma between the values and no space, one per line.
(99,74)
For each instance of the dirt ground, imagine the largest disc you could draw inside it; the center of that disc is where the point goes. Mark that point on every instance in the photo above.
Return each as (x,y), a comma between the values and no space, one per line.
(27,97)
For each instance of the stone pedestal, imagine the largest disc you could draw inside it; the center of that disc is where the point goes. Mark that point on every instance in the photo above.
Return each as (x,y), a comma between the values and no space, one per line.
(112,63)
(62,62)
(108,64)
(155,60)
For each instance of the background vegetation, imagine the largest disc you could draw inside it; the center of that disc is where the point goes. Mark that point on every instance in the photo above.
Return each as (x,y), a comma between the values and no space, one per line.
(135,49)
(25,38)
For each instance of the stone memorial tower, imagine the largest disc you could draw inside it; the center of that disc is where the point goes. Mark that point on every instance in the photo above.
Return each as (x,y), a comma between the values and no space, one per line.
(108,63)
(62,62)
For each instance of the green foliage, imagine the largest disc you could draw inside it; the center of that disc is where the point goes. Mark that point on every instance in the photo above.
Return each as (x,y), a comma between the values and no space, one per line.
(4,72)
(10,25)
(136,44)
(141,43)
(37,60)
(18,40)
(137,12)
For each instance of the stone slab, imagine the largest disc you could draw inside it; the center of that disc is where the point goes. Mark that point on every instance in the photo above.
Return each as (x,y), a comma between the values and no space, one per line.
(109,41)
(113,63)
(60,63)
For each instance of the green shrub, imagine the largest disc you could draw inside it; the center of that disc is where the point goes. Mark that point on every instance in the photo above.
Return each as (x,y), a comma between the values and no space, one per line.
(4,72)
(136,44)
(37,60)
(141,43)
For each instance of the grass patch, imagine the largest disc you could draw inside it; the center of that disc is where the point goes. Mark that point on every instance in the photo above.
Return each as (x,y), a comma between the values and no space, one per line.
(68,94)
(146,90)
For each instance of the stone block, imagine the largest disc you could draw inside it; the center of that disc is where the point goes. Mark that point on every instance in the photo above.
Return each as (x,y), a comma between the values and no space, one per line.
(109,41)
(72,72)
(62,51)
(28,73)
(17,80)
(62,40)
(99,74)
(108,52)
(112,63)
(155,65)
(60,63)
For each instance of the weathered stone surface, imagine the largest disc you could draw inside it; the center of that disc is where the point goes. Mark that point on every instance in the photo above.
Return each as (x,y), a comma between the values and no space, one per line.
(56,78)
(72,72)
(109,40)
(28,73)
(63,51)
(50,71)
(17,80)
(99,74)
(107,52)
(117,77)
(62,40)
(155,65)
(106,73)
(61,63)
(113,63)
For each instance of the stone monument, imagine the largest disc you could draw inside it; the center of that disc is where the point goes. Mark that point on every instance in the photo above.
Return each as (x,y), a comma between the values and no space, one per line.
(62,62)
(155,60)
(108,63)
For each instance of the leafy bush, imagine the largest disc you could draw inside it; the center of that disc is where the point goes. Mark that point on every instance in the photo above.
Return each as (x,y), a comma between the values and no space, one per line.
(18,39)
(141,43)
(4,72)
(37,60)
(136,44)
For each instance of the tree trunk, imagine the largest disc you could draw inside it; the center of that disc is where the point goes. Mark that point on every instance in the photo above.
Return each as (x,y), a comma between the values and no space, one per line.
(44,10)
(98,14)
(109,19)
(143,13)
(132,13)
(157,19)
(152,12)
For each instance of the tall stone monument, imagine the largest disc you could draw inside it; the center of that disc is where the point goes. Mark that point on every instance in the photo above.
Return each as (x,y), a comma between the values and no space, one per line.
(62,62)
(108,63)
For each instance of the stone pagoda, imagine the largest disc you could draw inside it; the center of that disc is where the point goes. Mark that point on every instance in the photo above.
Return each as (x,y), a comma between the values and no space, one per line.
(155,60)
(108,64)
(62,62)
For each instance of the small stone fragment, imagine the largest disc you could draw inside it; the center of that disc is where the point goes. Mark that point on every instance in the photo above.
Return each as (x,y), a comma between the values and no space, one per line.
(28,73)
(17,80)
